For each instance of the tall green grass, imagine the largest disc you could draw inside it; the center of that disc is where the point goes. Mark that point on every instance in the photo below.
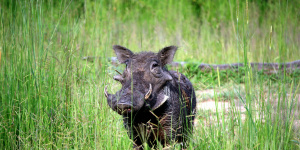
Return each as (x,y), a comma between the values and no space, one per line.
(51,99)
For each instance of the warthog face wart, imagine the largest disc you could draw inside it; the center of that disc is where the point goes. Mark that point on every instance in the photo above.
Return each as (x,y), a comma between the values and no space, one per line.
(143,78)
(157,105)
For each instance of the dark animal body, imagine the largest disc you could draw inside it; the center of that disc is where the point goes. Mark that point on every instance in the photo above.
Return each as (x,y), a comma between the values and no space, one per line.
(157,105)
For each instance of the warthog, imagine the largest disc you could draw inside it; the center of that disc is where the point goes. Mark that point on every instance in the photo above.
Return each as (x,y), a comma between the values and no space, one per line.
(157,105)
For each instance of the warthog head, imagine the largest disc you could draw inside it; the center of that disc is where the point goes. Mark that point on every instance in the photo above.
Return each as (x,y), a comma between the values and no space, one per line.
(143,80)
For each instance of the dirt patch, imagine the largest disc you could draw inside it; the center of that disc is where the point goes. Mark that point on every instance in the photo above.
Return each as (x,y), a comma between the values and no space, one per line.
(210,102)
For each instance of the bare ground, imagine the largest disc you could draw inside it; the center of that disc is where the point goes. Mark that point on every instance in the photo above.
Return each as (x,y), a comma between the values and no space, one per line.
(232,103)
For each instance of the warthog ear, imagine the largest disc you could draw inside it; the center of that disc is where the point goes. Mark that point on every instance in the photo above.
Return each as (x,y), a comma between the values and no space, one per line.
(166,55)
(122,53)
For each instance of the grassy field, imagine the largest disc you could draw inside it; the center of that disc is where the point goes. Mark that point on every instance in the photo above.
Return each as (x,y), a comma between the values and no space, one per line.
(52,99)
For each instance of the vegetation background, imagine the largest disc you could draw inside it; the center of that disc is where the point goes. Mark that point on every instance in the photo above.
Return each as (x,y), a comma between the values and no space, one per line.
(51,99)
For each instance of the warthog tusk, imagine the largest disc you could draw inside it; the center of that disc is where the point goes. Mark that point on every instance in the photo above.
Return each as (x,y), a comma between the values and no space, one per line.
(105,91)
(149,92)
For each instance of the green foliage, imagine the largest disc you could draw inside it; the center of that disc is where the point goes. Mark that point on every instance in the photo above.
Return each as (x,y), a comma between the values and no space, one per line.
(51,99)
(210,79)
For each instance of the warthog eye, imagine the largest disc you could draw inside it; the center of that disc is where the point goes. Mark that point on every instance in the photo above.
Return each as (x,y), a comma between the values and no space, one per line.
(155,69)
(154,65)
